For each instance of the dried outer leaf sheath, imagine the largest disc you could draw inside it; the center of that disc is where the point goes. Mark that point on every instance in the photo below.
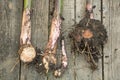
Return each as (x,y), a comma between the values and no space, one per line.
(58,7)
(27,52)
(52,43)
(26,24)
(89,8)
(55,27)
(50,51)
(26,28)
(89,5)
(55,32)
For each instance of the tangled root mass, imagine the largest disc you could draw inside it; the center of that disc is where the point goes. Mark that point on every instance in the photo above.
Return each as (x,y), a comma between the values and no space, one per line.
(88,37)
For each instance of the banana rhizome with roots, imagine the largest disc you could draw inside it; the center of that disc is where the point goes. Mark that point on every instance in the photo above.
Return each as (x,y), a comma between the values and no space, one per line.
(89,37)
(49,54)
(27,52)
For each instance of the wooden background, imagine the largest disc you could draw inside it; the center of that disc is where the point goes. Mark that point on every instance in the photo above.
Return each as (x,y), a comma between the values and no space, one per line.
(108,11)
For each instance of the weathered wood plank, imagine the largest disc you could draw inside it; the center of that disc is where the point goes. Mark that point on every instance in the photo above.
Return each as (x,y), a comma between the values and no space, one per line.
(83,71)
(78,69)
(80,9)
(39,36)
(111,19)
(10,22)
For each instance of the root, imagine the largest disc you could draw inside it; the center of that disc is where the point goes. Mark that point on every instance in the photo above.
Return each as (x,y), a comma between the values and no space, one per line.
(58,72)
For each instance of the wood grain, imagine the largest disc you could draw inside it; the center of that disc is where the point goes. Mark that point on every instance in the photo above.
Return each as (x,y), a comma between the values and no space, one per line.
(73,11)
(10,22)
(111,17)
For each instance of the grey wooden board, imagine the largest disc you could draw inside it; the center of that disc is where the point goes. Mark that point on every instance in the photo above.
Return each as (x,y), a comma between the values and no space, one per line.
(39,36)
(10,22)
(73,10)
(111,19)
